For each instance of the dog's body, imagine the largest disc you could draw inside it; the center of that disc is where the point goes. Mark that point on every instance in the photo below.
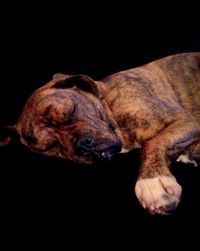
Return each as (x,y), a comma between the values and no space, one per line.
(155,107)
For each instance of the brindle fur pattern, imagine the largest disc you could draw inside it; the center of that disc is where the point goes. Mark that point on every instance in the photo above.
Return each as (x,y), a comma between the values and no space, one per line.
(158,106)
(155,107)
(55,117)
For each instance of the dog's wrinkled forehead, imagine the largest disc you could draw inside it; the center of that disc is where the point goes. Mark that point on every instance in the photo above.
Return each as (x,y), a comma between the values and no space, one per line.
(78,90)
(58,99)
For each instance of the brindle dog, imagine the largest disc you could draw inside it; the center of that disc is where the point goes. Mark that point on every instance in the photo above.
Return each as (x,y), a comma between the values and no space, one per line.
(155,107)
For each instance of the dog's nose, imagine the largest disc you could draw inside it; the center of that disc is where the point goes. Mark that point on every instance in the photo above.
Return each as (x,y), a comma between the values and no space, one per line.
(86,141)
(104,149)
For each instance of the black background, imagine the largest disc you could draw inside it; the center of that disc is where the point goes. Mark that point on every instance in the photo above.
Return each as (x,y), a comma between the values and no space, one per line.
(44,195)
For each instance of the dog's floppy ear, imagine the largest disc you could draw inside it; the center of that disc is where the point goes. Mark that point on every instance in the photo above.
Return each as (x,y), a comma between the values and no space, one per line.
(60,76)
(82,82)
(7,135)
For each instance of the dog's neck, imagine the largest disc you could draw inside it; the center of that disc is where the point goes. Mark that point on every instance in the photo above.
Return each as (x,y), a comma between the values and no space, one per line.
(103,89)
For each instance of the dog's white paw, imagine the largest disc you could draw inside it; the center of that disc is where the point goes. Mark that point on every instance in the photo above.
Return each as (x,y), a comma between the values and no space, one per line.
(159,195)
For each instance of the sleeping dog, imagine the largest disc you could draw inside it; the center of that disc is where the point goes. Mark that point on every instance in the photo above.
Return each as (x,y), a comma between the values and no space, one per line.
(155,107)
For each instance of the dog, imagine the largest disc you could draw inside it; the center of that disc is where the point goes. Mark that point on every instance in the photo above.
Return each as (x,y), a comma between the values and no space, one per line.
(155,107)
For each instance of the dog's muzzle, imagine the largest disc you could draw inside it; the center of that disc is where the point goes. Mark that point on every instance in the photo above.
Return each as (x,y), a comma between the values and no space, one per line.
(103,149)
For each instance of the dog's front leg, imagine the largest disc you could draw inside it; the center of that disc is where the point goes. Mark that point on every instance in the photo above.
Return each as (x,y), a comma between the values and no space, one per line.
(156,187)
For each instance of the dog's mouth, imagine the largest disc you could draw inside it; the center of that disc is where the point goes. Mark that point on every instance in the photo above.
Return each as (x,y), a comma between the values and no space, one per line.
(106,154)
(96,149)
(104,150)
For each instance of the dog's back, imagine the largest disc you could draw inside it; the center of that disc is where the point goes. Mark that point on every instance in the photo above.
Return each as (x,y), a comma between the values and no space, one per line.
(173,80)
(182,71)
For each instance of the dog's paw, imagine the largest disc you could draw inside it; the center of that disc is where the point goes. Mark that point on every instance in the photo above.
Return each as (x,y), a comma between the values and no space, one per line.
(159,195)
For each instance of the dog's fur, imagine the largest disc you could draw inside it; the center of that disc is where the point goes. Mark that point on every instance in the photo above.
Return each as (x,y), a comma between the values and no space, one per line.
(155,107)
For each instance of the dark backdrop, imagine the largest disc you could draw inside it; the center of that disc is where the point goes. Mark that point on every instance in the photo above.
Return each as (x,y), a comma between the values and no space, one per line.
(38,40)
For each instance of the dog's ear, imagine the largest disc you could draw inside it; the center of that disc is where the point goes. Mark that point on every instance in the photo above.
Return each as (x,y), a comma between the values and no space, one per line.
(7,135)
(81,82)
(60,76)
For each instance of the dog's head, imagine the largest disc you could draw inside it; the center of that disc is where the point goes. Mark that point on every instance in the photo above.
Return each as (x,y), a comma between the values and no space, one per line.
(66,118)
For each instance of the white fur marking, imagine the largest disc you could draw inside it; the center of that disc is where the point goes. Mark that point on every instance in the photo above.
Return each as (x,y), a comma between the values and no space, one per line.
(184,158)
(159,194)
(125,150)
